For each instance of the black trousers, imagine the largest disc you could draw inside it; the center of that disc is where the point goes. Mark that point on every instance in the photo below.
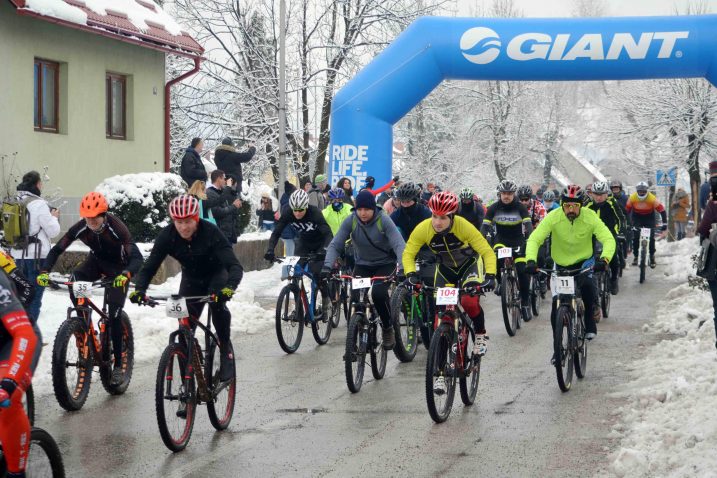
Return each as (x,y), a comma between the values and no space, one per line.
(379,292)
(221,317)
(636,239)
(586,284)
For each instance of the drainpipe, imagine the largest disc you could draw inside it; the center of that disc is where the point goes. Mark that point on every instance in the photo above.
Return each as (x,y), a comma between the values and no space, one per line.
(167,87)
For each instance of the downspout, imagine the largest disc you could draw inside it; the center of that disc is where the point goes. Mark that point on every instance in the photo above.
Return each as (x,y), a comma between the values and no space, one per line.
(167,109)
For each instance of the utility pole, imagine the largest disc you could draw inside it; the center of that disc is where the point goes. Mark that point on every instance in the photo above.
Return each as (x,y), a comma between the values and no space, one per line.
(282,96)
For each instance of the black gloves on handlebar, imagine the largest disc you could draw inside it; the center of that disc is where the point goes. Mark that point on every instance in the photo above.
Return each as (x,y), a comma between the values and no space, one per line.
(601,265)
(489,283)
(138,297)
(531,267)
(269,256)
(412,279)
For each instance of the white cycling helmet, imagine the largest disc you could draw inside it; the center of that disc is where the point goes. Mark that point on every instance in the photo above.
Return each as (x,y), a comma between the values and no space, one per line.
(299,200)
(641,189)
(600,187)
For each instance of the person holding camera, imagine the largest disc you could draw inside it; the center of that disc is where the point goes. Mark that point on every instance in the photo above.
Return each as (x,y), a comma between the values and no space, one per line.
(229,160)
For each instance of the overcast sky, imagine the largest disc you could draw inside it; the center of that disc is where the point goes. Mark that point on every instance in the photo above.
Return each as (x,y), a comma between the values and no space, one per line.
(563,8)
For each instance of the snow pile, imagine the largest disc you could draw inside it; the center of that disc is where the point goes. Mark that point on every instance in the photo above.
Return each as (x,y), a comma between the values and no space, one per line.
(139,15)
(138,187)
(152,327)
(668,428)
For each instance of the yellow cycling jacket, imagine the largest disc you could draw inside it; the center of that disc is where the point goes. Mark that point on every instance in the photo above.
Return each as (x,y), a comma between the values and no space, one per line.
(453,246)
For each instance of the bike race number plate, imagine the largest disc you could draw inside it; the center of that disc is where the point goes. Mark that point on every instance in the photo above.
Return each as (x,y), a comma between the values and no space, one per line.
(360,283)
(447,296)
(82,289)
(504,252)
(291,260)
(564,284)
(177,308)
(645,233)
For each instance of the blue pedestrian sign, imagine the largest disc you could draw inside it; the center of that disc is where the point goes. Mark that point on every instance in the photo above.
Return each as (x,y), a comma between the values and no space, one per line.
(667,178)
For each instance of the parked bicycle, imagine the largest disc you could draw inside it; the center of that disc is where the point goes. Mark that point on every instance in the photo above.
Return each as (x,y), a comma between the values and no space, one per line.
(79,347)
(450,355)
(364,334)
(295,308)
(509,289)
(570,347)
(189,375)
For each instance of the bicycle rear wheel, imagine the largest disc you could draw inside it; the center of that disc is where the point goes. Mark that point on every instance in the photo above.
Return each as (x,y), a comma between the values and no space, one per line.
(72,363)
(580,357)
(175,398)
(127,357)
(355,355)
(405,323)
(321,325)
(605,294)
(469,382)
(44,458)
(562,344)
(289,320)
(221,408)
(378,353)
(440,400)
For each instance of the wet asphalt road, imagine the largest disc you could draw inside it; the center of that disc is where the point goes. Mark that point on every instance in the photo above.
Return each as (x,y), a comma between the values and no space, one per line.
(295,416)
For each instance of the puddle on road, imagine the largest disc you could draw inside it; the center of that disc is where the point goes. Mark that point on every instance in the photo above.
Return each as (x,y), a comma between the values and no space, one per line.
(308,411)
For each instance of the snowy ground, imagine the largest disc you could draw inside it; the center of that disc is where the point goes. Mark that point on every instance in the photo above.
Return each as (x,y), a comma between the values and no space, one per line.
(669,426)
(152,327)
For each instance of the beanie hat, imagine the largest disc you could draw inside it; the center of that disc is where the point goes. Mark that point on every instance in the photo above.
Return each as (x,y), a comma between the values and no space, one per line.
(228,141)
(713,167)
(365,200)
(320,178)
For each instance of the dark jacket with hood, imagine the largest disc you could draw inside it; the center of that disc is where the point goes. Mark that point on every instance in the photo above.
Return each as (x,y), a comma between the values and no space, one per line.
(224,212)
(473,212)
(407,218)
(192,168)
(229,160)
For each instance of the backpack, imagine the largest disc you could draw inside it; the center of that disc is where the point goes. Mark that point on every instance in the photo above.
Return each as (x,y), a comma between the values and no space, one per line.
(379,224)
(16,222)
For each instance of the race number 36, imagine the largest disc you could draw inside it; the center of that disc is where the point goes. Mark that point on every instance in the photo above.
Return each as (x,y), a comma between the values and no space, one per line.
(447,296)
(177,308)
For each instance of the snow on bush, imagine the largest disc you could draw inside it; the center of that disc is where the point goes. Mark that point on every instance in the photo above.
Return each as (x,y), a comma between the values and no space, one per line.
(141,200)
(668,426)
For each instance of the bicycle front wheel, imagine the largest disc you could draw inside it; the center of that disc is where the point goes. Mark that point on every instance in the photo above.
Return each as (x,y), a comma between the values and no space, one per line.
(536,297)
(605,294)
(562,346)
(175,398)
(221,407)
(72,364)
(405,318)
(289,320)
(440,376)
(127,358)
(580,357)
(643,261)
(511,313)
(355,355)
(378,353)
(44,458)
(321,326)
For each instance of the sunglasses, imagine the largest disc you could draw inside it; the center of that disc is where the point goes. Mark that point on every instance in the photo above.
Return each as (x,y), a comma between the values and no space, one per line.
(298,210)
(571,205)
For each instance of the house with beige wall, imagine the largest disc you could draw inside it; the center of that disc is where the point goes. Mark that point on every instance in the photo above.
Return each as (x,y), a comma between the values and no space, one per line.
(83,90)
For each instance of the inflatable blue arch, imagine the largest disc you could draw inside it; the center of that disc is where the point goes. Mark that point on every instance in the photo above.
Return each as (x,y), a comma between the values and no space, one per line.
(434,48)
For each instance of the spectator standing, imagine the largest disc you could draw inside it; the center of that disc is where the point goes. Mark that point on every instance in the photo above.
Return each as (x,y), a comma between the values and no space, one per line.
(316,193)
(43,226)
(708,219)
(679,212)
(229,160)
(192,168)
(345,184)
(224,205)
(266,213)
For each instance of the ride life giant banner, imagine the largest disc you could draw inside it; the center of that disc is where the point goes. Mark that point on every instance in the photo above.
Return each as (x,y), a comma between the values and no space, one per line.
(435,48)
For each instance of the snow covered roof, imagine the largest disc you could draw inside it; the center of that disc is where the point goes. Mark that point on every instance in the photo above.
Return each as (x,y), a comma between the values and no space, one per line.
(587,164)
(140,22)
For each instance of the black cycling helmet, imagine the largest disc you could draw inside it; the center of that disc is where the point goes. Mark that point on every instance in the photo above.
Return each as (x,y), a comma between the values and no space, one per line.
(407,192)
(525,191)
(507,186)
(615,184)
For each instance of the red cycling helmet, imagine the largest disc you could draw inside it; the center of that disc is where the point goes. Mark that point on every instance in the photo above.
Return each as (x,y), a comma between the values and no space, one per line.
(443,203)
(572,193)
(184,206)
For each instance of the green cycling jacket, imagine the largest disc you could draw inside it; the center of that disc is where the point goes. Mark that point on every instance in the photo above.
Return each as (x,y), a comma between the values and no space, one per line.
(571,242)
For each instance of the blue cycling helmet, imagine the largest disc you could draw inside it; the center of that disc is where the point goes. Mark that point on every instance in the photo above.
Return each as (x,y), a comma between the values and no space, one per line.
(336,193)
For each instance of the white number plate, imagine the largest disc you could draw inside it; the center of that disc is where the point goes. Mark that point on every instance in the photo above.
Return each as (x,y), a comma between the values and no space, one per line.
(645,233)
(504,252)
(82,289)
(564,284)
(447,296)
(361,283)
(177,308)
(291,260)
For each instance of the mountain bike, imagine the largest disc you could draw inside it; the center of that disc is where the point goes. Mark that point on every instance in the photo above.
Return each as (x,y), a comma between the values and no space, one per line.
(294,308)
(570,347)
(188,375)
(536,294)
(44,458)
(410,316)
(79,346)
(509,291)
(339,292)
(602,279)
(645,233)
(364,334)
(450,355)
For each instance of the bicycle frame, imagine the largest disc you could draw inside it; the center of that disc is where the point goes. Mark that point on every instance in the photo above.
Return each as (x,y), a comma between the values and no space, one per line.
(308,301)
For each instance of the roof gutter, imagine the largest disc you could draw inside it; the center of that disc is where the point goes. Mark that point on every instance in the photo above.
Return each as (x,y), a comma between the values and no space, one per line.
(167,109)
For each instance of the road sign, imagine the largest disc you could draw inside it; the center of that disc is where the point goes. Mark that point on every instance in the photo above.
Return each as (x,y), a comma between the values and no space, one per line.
(666,178)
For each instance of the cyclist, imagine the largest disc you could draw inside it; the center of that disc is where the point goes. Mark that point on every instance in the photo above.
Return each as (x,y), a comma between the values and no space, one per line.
(377,244)
(412,212)
(19,353)
(455,243)
(549,202)
(513,224)
(314,234)
(571,246)
(113,254)
(534,206)
(25,289)
(610,212)
(470,209)
(337,210)
(621,198)
(641,206)
(209,266)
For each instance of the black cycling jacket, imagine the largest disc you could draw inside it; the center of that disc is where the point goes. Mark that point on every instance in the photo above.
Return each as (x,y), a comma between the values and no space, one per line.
(311,229)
